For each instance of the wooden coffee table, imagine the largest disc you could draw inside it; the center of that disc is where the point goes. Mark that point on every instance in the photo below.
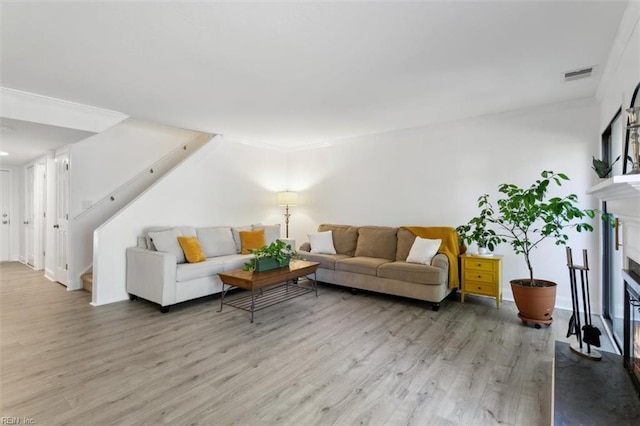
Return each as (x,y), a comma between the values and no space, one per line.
(269,287)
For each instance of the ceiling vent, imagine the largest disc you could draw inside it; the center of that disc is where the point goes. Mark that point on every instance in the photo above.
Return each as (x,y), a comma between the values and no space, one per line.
(578,74)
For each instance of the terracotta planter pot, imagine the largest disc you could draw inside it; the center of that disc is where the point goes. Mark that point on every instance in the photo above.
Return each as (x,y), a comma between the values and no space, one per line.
(534,303)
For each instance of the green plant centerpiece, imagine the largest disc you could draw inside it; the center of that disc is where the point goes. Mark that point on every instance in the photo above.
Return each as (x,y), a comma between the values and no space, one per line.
(525,217)
(275,255)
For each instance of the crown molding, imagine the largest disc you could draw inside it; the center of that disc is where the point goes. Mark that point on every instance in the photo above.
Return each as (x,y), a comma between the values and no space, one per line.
(25,106)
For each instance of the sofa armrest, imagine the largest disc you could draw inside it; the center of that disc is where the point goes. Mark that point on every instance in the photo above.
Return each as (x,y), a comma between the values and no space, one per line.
(151,275)
(441,261)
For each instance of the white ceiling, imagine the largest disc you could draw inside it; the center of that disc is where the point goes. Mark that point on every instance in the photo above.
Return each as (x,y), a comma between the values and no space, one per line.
(26,141)
(292,74)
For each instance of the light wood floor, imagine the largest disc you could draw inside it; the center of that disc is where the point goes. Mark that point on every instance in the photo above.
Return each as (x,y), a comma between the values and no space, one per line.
(337,359)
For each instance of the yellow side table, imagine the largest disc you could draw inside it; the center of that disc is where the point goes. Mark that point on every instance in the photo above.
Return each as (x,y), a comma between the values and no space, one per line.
(482,275)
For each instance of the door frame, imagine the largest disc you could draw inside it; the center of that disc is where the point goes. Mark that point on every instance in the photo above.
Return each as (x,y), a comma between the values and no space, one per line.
(35,198)
(61,271)
(29,214)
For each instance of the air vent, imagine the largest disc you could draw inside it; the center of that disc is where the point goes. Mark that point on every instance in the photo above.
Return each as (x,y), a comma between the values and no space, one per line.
(578,74)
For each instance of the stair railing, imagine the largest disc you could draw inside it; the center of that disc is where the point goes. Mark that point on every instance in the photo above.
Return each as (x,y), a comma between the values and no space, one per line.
(113,195)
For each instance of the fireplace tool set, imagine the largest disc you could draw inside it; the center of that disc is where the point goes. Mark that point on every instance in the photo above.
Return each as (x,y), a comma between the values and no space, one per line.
(588,335)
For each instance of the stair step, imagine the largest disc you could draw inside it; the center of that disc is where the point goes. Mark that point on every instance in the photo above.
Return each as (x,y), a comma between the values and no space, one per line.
(87,282)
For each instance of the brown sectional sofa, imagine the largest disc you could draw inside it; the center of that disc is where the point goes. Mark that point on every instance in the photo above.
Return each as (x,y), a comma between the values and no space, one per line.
(373,258)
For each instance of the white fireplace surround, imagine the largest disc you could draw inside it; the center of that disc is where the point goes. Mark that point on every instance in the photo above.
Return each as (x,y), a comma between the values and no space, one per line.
(622,194)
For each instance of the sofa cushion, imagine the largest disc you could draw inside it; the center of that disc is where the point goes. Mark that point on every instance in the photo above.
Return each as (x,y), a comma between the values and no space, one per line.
(405,242)
(345,237)
(413,273)
(360,265)
(147,237)
(251,240)
(327,261)
(236,235)
(167,242)
(423,250)
(216,241)
(377,241)
(192,249)
(192,271)
(235,261)
(322,242)
(271,232)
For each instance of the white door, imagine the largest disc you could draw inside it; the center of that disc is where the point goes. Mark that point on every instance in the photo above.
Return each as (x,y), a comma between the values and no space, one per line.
(62,217)
(29,237)
(5,215)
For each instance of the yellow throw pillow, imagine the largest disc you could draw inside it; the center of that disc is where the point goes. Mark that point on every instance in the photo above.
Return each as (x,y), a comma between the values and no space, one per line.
(192,249)
(251,240)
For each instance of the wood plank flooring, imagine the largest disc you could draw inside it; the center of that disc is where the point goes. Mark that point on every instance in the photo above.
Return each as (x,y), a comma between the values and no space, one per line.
(338,359)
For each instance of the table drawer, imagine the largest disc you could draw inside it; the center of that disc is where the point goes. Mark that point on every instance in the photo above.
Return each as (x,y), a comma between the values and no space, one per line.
(479,264)
(486,277)
(480,288)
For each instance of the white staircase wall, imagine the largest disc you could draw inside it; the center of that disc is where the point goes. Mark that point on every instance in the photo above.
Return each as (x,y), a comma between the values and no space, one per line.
(102,163)
(223,183)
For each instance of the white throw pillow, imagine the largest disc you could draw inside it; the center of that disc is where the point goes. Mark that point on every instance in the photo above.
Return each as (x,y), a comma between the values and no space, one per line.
(167,241)
(236,235)
(322,243)
(271,232)
(423,250)
(216,241)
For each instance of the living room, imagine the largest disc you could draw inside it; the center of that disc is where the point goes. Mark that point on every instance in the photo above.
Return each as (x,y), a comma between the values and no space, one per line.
(426,170)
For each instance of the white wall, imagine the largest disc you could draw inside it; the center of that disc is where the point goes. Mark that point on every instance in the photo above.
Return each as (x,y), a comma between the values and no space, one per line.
(223,183)
(101,164)
(433,176)
(622,71)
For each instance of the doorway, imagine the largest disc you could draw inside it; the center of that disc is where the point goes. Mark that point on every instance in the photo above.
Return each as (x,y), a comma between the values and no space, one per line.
(29,206)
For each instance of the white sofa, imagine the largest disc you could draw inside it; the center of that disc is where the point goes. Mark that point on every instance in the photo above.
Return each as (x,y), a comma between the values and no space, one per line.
(157,270)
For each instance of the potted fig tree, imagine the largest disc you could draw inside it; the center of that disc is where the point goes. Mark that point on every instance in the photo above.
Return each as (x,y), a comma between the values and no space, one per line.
(476,231)
(525,217)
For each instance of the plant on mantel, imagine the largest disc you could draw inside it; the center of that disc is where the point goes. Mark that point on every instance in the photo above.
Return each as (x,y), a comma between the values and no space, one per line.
(525,217)
(603,167)
(278,250)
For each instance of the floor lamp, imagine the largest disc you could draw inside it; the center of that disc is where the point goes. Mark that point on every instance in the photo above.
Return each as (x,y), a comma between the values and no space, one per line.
(287,199)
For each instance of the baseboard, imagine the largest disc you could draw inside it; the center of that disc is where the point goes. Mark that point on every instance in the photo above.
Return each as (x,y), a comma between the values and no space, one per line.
(73,285)
(50,275)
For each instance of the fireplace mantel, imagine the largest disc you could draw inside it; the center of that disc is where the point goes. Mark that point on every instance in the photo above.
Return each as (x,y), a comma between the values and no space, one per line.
(617,188)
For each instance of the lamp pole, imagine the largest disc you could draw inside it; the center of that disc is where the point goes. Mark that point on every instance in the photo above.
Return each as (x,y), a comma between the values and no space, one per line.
(286,220)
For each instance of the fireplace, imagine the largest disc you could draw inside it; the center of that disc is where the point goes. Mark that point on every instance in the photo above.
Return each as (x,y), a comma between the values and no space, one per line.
(622,194)
(631,353)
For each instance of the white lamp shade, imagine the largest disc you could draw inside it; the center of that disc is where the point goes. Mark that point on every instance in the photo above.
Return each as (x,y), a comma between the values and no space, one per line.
(287,198)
